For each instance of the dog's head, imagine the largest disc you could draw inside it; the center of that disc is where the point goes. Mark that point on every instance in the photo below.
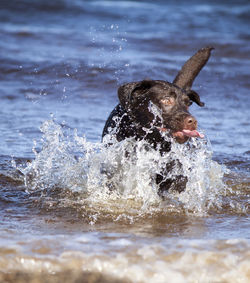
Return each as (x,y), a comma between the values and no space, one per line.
(164,105)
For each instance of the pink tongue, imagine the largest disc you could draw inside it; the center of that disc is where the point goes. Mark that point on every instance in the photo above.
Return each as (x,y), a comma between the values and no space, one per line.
(188,133)
(194,134)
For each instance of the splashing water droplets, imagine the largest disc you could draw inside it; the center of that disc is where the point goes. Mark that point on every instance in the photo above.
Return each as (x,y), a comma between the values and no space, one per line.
(119,180)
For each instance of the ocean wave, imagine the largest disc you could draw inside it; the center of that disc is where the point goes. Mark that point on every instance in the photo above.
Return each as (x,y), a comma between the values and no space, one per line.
(182,261)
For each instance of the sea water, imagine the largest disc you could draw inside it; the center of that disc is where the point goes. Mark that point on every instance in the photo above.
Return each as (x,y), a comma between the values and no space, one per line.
(76,210)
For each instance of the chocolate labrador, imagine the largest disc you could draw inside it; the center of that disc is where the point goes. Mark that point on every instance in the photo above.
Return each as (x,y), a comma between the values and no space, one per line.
(151,109)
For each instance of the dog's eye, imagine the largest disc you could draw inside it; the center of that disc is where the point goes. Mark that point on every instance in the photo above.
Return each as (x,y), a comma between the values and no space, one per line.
(168,101)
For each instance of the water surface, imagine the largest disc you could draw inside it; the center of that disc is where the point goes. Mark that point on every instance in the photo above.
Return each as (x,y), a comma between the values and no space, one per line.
(60,66)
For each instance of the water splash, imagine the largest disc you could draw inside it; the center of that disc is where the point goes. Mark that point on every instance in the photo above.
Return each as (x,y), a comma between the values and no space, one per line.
(119,180)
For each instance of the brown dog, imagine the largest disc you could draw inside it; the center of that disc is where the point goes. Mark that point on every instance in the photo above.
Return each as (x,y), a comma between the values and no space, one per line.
(149,108)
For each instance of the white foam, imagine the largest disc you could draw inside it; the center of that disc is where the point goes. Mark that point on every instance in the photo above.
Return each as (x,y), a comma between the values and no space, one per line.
(140,261)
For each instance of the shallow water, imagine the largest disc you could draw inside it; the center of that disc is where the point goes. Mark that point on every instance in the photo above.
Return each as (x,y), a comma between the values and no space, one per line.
(63,218)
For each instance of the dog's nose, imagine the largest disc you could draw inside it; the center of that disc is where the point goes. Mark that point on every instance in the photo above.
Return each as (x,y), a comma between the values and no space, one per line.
(190,123)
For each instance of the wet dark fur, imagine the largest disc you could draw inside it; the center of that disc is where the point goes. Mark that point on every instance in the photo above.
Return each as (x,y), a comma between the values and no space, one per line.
(144,109)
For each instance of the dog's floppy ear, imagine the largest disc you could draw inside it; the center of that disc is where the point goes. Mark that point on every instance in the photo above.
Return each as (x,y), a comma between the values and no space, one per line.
(189,72)
(192,67)
(194,96)
(132,93)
